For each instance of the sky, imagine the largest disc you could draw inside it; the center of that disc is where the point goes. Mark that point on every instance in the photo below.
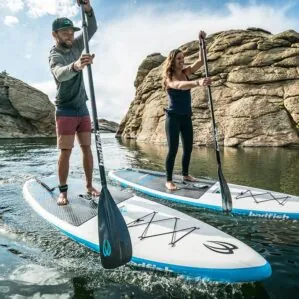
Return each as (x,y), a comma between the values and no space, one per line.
(129,30)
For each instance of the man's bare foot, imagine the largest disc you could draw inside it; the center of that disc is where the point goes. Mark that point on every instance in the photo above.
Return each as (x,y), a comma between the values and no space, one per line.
(62,199)
(171,186)
(92,191)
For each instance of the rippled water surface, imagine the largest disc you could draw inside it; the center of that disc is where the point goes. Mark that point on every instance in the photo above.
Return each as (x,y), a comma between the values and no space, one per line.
(36,261)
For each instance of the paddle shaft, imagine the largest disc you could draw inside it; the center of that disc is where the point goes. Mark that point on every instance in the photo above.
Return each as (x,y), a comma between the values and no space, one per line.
(225,193)
(203,49)
(93,103)
(114,238)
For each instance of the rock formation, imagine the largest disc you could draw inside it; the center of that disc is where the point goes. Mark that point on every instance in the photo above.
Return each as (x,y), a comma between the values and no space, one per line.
(27,112)
(255,91)
(107,126)
(24,110)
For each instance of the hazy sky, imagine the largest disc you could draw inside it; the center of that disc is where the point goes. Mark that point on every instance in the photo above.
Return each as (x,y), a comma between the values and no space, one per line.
(128,31)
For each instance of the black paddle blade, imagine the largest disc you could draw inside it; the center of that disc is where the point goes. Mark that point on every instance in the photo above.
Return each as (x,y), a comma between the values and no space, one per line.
(114,238)
(225,192)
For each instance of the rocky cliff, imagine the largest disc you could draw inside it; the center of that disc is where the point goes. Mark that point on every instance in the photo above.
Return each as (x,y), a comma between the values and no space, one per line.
(24,110)
(255,91)
(27,112)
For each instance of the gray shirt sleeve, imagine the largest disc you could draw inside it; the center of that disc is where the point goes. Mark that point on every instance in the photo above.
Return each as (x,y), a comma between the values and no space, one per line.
(60,70)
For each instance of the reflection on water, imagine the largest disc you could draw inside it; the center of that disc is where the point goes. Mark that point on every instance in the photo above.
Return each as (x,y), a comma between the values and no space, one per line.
(36,261)
(276,169)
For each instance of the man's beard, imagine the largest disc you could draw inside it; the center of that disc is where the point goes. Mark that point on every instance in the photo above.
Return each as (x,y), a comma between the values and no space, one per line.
(64,45)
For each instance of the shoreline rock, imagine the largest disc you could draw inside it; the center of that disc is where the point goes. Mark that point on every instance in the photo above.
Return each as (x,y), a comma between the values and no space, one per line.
(107,126)
(24,110)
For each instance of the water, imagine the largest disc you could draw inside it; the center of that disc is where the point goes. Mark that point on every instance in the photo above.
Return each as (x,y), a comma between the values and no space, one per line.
(36,261)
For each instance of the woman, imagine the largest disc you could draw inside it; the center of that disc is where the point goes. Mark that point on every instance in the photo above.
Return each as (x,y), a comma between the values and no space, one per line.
(178,120)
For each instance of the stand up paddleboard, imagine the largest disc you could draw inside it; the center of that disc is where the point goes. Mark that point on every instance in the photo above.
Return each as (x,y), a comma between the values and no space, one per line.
(162,238)
(206,194)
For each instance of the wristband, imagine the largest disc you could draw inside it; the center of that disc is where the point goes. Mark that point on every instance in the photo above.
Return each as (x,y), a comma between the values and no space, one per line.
(73,68)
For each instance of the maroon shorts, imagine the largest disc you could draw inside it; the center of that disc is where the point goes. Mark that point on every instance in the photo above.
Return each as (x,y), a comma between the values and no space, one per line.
(69,126)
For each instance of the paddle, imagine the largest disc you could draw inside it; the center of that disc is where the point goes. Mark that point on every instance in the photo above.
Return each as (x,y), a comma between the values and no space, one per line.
(225,193)
(114,238)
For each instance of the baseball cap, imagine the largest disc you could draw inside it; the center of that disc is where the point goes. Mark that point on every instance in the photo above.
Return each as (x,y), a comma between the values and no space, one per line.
(63,23)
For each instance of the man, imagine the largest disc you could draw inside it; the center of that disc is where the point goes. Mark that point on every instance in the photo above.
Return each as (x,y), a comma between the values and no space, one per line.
(72,116)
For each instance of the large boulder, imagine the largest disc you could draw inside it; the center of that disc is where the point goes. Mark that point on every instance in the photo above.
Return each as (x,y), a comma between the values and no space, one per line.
(24,110)
(255,91)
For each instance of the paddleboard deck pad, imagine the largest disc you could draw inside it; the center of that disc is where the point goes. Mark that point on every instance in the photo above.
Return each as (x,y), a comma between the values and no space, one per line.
(162,238)
(205,193)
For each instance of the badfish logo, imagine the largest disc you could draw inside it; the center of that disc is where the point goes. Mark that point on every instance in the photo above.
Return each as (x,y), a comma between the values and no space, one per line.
(269,215)
(106,248)
(224,248)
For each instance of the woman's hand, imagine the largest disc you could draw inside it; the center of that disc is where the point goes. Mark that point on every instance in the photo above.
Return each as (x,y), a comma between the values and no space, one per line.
(202,34)
(204,82)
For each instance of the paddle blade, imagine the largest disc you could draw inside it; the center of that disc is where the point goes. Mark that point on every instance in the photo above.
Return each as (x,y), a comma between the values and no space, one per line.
(114,238)
(225,192)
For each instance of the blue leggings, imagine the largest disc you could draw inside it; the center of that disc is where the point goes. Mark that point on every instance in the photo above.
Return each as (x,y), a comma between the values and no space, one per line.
(174,126)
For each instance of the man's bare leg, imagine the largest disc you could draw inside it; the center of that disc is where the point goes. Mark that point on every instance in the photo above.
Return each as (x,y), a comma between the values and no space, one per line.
(63,171)
(88,169)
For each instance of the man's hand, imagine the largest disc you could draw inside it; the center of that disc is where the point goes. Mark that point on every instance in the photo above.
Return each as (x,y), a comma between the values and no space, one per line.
(83,61)
(86,4)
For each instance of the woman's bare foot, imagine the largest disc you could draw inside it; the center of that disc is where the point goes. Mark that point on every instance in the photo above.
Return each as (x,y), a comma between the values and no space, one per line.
(189,178)
(62,199)
(92,191)
(171,186)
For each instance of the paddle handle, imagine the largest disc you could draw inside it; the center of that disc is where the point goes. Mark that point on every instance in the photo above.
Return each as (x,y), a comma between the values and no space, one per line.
(93,102)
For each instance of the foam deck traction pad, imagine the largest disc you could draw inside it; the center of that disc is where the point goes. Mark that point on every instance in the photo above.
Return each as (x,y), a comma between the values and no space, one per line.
(81,208)
(156,181)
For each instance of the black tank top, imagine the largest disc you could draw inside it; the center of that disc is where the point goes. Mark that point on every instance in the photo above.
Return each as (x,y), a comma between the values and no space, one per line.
(179,101)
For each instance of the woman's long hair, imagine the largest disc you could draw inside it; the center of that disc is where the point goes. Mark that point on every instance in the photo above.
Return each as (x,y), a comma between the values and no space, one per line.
(168,70)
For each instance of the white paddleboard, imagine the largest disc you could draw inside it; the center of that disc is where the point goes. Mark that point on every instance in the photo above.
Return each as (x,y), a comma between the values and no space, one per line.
(162,238)
(205,193)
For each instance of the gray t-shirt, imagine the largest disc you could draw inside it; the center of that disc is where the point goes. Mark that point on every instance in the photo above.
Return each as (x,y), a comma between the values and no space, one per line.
(71,91)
